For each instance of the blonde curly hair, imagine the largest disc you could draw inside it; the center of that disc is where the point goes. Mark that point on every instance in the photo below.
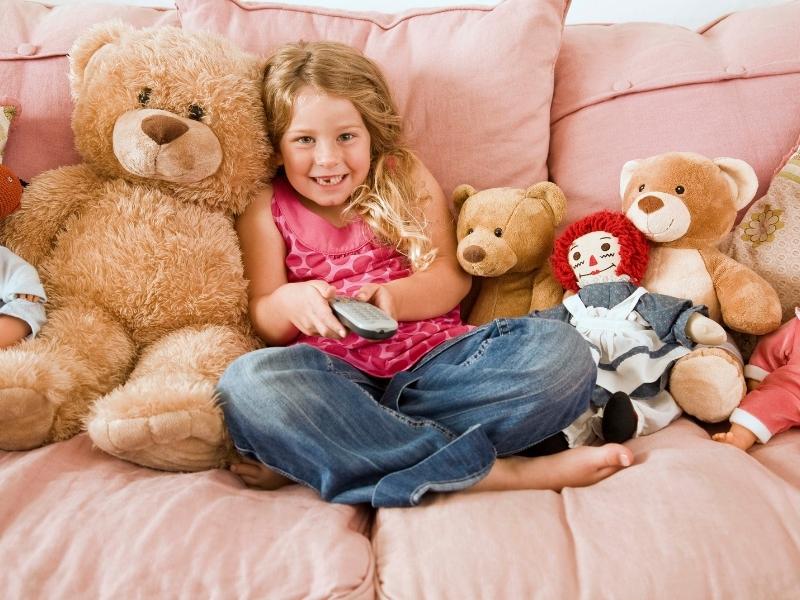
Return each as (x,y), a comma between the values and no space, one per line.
(388,201)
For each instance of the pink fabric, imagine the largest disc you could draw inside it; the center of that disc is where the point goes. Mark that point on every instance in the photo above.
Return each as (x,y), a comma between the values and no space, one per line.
(637,89)
(33,71)
(347,258)
(474,83)
(776,402)
(692,518)
(77,523)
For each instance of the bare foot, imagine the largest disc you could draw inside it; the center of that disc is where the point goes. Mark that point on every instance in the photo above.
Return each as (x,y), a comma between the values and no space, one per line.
(738,436)
(576,467)
(258,475)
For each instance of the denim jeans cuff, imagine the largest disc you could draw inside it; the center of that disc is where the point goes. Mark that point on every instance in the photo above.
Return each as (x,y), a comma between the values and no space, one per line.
(458,465)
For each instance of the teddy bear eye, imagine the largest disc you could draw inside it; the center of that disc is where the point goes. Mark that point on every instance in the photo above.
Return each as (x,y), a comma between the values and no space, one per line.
(576,255)
(470,230)
(680,189)
(196,112)
(641,188)
(605,247)
(498,232)
(144,96)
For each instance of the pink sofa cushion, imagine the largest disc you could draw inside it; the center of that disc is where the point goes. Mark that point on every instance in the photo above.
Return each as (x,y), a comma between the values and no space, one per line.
(637,89)
(34,75)
(78,523)
(474,83)
(692,518)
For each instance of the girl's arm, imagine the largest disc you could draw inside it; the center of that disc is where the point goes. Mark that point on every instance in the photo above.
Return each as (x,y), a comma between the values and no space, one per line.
(439,288)
(279,310)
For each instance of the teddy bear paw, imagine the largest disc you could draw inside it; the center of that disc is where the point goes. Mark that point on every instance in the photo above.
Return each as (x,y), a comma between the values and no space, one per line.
(708,384)
(181,440)
(26,417)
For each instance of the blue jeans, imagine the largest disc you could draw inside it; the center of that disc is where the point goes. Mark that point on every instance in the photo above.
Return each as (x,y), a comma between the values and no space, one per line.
(438,426)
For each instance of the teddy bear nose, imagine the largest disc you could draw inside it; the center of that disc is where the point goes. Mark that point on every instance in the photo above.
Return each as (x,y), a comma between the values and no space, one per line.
(162,129)
(474,254)
(650,204)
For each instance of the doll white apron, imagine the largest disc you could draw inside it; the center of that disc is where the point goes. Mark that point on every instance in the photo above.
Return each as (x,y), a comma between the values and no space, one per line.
(624,341)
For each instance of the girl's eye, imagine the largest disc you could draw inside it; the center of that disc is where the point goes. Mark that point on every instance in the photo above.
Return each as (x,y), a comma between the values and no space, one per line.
(605,247)
(144,96)
(196,112)
(641,188)
(470,230)
(305,140)
(498,232)
(576,256)
(346,137)
(680,189)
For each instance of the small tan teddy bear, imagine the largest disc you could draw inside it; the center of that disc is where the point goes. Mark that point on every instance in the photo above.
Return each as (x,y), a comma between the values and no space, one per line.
(685,204)
(505,235)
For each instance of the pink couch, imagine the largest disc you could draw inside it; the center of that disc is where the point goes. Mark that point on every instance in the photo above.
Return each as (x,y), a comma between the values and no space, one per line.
(494,96)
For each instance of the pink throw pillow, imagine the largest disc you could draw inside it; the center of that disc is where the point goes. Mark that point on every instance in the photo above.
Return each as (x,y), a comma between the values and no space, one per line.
(474,83)
(33,71)
(637,89)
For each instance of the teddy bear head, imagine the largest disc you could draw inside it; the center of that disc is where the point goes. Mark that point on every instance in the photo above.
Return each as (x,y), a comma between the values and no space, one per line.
(502,230)
(683,199)
(171,110)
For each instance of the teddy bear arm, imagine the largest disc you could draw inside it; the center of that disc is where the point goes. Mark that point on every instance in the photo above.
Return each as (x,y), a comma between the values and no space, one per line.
(547,292)
(749,304)
(46,203)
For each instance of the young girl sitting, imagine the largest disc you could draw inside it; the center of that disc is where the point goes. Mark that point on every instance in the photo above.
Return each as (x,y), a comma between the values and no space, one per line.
(352,212)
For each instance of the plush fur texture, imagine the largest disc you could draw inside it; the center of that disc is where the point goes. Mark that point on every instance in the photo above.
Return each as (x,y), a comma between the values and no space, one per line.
(505,235)
(10,191)
(685,203)
(137,251)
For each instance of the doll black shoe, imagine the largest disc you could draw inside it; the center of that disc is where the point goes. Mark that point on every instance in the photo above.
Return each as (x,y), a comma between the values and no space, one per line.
(619,418)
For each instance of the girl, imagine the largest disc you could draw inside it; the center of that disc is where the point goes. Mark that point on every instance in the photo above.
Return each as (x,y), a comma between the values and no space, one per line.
(352,212)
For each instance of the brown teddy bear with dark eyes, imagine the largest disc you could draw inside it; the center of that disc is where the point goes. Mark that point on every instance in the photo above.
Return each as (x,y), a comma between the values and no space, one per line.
(137,251)
(685,204)
(505,236)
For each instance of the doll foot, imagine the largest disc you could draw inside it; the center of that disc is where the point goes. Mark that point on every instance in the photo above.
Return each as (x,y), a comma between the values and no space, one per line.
(707,384)
(186,440)
(738,436)
(619,418)
(26,417)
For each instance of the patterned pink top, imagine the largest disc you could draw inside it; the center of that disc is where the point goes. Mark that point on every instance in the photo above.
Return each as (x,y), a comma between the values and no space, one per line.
(347,258)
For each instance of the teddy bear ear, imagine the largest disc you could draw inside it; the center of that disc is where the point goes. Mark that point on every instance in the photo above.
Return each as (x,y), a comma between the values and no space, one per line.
(551,197)
(742,179)
(85,47)
(625,176)
(460,194)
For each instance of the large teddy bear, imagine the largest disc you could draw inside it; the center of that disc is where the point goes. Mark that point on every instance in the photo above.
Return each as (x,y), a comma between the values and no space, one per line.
(685,204)
(137,251)
(506,236)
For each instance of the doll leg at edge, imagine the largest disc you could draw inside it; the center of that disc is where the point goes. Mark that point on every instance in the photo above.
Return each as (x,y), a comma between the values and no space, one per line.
(47,384)
(166,415)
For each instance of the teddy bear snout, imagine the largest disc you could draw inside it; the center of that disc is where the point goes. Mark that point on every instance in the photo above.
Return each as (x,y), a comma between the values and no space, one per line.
(163,129)
(474,254)
(650,204)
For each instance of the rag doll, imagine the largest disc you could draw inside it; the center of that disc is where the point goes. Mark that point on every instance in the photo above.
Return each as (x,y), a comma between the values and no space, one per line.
(635,336)
(773,377)
(21,292)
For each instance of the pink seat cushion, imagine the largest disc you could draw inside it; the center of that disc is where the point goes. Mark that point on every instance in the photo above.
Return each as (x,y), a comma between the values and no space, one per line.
(692,518)
(474,83)
(34,75)
(78,523)
(637,89)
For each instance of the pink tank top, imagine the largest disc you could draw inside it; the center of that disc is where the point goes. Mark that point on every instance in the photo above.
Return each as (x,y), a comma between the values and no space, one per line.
(347,258)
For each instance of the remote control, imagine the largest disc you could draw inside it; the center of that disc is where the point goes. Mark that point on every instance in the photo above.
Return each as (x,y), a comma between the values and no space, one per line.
(363,318)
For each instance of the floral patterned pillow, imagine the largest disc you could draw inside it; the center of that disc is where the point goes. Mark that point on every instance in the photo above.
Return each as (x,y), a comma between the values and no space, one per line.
(768,238)
(7,113)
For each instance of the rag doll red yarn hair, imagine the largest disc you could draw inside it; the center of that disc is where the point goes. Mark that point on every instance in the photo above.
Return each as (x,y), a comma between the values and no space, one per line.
(634,250)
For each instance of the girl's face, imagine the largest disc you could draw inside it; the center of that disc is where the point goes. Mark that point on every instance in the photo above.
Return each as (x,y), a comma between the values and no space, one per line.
(325,152)
(594,258)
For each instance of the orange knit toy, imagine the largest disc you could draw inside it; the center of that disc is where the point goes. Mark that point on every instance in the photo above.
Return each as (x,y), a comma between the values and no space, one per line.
(10,191)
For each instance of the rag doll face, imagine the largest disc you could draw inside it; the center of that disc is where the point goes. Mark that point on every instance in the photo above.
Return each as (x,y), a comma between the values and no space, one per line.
(594,258)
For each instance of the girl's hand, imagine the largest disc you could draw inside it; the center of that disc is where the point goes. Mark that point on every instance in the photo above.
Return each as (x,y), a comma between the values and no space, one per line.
(378,295)
(308,309)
